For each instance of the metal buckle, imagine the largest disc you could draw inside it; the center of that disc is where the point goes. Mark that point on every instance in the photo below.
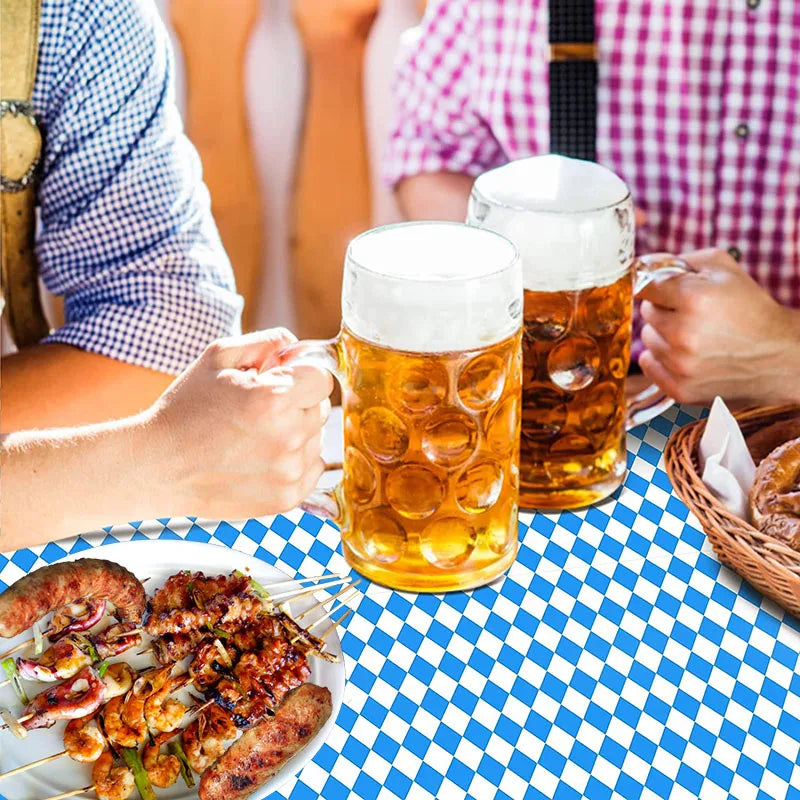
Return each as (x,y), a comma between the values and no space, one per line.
(19,108)
(573,51)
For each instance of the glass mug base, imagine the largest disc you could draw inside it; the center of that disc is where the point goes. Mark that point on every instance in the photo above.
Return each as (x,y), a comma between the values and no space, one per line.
(534,497)
(427,581)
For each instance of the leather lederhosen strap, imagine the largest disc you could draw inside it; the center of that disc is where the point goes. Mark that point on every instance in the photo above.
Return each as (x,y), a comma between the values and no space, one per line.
(20,150)
(573,79)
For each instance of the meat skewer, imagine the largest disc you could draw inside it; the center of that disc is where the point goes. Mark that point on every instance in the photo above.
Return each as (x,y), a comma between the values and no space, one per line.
(255,653)
(75,650)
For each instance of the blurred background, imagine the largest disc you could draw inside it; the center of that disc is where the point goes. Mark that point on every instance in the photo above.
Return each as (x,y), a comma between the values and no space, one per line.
(288,102)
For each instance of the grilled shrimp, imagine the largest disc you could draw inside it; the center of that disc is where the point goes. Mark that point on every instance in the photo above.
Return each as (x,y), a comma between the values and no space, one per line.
(111,782)
(83,740)
(161,768)
(204,740)
(162,712)
(120,731)
(118,679)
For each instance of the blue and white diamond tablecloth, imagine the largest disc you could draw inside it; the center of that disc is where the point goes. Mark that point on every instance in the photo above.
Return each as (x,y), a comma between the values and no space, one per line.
(617,659)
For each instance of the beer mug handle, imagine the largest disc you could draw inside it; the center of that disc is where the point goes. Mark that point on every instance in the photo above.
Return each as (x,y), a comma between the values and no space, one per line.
(326,355)
(652,268)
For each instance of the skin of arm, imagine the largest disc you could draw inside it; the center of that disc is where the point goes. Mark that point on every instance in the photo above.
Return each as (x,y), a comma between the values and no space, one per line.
(56,385)
(126,234)
(434,195)
(238,434)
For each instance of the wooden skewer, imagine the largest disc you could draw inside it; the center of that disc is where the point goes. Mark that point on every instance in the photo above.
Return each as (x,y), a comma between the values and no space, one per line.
(290,581)
(5,683)
(20,646)
(337,623)
(293,595)
(73,793)
(322,619)
(26,767)
(328,599)
(329,613)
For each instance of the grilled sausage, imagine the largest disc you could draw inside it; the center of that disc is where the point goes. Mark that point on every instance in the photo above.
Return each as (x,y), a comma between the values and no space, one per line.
(53,586)
(254,758)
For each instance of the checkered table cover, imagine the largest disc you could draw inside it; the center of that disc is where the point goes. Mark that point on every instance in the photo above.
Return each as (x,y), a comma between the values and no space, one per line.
(617,659)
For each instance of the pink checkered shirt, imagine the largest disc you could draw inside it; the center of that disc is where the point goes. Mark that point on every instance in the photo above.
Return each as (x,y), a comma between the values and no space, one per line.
(698,111)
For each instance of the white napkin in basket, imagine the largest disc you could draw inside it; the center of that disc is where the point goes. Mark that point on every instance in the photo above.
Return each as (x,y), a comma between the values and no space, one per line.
(728,467)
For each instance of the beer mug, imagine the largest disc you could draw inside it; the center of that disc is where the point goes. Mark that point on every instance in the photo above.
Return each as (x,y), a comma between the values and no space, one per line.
(429,361)
(573,223)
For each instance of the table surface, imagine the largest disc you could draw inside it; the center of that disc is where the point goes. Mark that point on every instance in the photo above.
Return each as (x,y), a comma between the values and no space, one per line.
(617,658)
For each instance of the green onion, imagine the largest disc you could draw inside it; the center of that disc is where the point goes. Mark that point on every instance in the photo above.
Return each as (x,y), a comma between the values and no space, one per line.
(38,639)
(222,634)
(176,749)
(10,667)
(131,757)
(257,588)
(101,670)
(85,644)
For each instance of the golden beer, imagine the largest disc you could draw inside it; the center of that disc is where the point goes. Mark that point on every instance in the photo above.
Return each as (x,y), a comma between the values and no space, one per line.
(430,364)
(573,223)
(430,467)
(575,350)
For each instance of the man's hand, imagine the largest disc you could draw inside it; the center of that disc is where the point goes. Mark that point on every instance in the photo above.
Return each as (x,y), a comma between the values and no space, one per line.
(240,436)
(717,332)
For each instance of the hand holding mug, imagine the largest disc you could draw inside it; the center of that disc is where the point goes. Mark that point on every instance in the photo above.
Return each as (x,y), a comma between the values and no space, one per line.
(242,432)
(715,331)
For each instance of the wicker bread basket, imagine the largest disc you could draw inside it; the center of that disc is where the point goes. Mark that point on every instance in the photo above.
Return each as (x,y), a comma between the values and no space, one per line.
(769,565)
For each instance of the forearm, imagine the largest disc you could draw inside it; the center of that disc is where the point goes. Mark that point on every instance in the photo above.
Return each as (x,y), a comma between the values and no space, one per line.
(63,482)
(56,385)
(435,195)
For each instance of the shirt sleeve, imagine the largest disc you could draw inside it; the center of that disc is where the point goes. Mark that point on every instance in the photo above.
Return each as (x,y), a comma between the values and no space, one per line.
(126,234)
(437,127)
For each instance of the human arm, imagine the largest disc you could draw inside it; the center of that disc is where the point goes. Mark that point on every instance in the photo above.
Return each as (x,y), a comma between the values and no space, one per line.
(439,141)
(126,234)
(717,332)
(56,385)
(434,195)
(235,436)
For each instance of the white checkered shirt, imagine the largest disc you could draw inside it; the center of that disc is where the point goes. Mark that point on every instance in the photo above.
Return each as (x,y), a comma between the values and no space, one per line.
(126,233)
(698,111)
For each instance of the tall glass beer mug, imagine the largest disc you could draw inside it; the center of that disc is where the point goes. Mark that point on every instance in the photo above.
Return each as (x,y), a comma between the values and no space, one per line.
(573,223)
(430,365)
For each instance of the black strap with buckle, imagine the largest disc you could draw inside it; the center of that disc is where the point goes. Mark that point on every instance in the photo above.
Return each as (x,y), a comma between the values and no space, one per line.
(573,79)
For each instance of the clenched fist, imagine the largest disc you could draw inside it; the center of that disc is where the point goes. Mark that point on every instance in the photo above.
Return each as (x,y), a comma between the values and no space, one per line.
(715,331)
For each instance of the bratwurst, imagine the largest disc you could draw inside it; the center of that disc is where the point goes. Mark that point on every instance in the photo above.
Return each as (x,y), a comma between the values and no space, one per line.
(53,586)
(263,750)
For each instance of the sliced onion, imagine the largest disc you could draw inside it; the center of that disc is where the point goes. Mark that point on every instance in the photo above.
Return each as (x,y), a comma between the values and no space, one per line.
(223,653)
(38,640)
(12,723)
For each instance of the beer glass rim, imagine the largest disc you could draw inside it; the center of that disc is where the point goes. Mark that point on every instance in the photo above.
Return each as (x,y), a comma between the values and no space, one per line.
(482,197)
(506,267)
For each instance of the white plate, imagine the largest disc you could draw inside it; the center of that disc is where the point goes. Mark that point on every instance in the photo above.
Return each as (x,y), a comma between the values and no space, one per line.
(157,559)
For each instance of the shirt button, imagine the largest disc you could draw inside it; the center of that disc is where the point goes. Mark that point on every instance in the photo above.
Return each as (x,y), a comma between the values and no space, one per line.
(742,130)
(753,3)
(735,253)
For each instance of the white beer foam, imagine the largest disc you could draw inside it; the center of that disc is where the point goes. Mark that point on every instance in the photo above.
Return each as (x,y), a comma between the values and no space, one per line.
(432,287)
(572,220)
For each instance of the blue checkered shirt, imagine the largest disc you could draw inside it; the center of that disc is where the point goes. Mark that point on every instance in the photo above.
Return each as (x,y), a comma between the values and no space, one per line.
(126,233)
